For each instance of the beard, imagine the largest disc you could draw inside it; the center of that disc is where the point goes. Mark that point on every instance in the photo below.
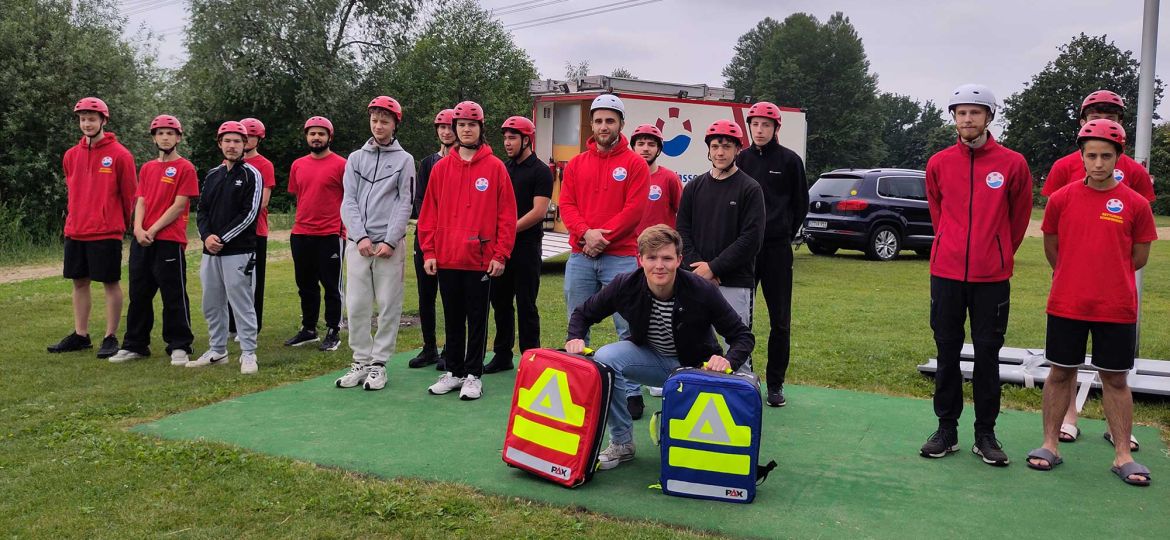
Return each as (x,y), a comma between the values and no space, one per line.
(319,148)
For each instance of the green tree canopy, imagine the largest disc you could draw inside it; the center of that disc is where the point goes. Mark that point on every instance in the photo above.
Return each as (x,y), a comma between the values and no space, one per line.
(822,68)
(907,128)
(462,54)
(282,61)
(1042,119)
(56,52)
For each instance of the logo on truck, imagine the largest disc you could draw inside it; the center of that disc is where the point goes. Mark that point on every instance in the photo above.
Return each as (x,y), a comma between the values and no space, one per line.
(675,146)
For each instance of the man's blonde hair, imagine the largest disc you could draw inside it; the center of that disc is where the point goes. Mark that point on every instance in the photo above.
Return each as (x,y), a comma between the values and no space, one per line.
(657,237)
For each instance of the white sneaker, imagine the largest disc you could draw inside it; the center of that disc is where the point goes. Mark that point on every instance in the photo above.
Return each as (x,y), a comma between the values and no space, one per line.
(179,357)
(208,358)
(614,455)
(124,355)
(472,388)
(446,383)
(376,380)
(248,363)
(355,376)
(655,391)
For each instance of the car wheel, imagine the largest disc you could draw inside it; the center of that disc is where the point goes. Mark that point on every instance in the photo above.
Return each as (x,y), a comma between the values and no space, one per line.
(819,249)
(884,244)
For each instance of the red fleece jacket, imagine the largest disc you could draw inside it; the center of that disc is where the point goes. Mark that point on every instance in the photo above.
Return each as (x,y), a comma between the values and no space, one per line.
(605,190)
(468,215)
(980,204)
(101,182)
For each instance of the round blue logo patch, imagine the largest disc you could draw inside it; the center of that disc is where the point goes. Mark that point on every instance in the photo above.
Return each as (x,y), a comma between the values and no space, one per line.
(655,193)
(170,172)
(619,174)
(481,184)
(107,161)
(994,180)
(1114,206)
(1118,175)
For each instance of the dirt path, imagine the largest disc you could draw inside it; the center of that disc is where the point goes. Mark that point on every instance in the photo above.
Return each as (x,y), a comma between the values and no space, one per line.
(14,274)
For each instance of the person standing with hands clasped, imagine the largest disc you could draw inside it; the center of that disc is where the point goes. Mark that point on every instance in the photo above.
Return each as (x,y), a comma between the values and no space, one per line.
(467,226)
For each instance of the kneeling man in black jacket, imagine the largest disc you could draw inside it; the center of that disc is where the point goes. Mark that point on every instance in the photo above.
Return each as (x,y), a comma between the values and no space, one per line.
(670,315)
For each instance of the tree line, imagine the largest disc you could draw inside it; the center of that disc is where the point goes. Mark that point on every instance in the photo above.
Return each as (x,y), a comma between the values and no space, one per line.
(285,60)
(822,67)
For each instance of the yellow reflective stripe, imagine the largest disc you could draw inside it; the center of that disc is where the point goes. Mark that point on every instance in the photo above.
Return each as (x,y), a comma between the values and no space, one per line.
(705,460)
(709,421)
(551,438)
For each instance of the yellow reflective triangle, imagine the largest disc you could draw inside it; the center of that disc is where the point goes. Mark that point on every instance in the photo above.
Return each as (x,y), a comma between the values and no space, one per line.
(709,421)
(549,397)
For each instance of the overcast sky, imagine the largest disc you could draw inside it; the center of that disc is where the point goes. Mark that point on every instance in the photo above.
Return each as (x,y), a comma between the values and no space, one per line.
(921,48)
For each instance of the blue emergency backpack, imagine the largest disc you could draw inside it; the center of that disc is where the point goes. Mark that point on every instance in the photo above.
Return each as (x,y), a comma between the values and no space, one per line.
(709,435)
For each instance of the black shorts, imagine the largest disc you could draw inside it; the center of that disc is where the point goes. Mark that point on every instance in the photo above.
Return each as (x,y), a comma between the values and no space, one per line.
(1113,343)
(98,260)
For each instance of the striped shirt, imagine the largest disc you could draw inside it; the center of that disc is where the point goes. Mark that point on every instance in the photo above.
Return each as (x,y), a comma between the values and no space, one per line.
(661,333)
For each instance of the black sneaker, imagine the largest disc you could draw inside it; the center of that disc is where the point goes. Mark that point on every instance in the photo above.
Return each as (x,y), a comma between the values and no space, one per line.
(636,406)
(303,336)
(942,442)
(988,447)
(442,365)
(776,397)
(332,340)
(426,357)
(500,362)
(109,347)
(70,343)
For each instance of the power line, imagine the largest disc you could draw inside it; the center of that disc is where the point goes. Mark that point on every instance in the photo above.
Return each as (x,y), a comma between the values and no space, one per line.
(522,6)
(149,6)
(562,17)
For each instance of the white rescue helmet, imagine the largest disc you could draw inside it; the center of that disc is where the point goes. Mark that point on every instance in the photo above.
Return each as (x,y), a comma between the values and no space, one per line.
(972,94)
(608,101)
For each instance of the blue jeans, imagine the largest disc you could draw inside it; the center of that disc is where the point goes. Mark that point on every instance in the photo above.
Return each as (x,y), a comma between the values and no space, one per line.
(584,276)
(631,365)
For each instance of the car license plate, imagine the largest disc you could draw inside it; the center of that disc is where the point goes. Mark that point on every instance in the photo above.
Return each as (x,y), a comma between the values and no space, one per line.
(815,224)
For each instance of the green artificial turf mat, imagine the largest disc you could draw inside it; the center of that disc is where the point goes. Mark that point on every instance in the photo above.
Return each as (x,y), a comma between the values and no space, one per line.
(849,464)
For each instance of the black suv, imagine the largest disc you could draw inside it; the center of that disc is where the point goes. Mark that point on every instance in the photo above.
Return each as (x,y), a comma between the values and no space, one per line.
(878,211)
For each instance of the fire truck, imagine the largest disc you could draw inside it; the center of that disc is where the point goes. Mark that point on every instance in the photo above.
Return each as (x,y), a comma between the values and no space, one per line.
(681,111)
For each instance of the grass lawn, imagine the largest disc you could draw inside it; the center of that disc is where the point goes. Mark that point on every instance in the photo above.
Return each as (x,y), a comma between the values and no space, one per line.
(70,468)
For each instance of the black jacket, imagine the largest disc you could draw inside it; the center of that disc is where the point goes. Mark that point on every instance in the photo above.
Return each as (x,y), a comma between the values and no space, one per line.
(697,306)
(722,222)
(228,205)
(781,173)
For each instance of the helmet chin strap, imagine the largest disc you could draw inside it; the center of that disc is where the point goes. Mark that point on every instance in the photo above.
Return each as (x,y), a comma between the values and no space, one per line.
(167,151)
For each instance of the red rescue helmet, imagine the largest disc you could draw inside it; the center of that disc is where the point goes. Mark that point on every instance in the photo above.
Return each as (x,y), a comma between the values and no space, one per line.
(1102,97)
(165,121)
(764,109)
(94,105)
(444,118)
(724,128)
(255,127)
(467,110)
(646,130)
(231,126)
(321,122)
(387,103)
(1105,130)
(521,125)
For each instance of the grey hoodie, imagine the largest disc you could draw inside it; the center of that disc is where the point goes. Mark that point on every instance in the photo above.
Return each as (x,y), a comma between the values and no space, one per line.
(378,183)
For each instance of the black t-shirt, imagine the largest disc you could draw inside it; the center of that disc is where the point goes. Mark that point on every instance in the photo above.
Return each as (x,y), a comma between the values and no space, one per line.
(722,222)
(530,178)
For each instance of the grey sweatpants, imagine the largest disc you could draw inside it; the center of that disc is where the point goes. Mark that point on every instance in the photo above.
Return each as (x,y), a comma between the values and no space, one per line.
(371,280)
(742,300)
(227,279)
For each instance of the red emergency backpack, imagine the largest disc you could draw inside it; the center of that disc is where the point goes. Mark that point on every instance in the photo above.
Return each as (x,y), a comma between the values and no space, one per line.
(557,420)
